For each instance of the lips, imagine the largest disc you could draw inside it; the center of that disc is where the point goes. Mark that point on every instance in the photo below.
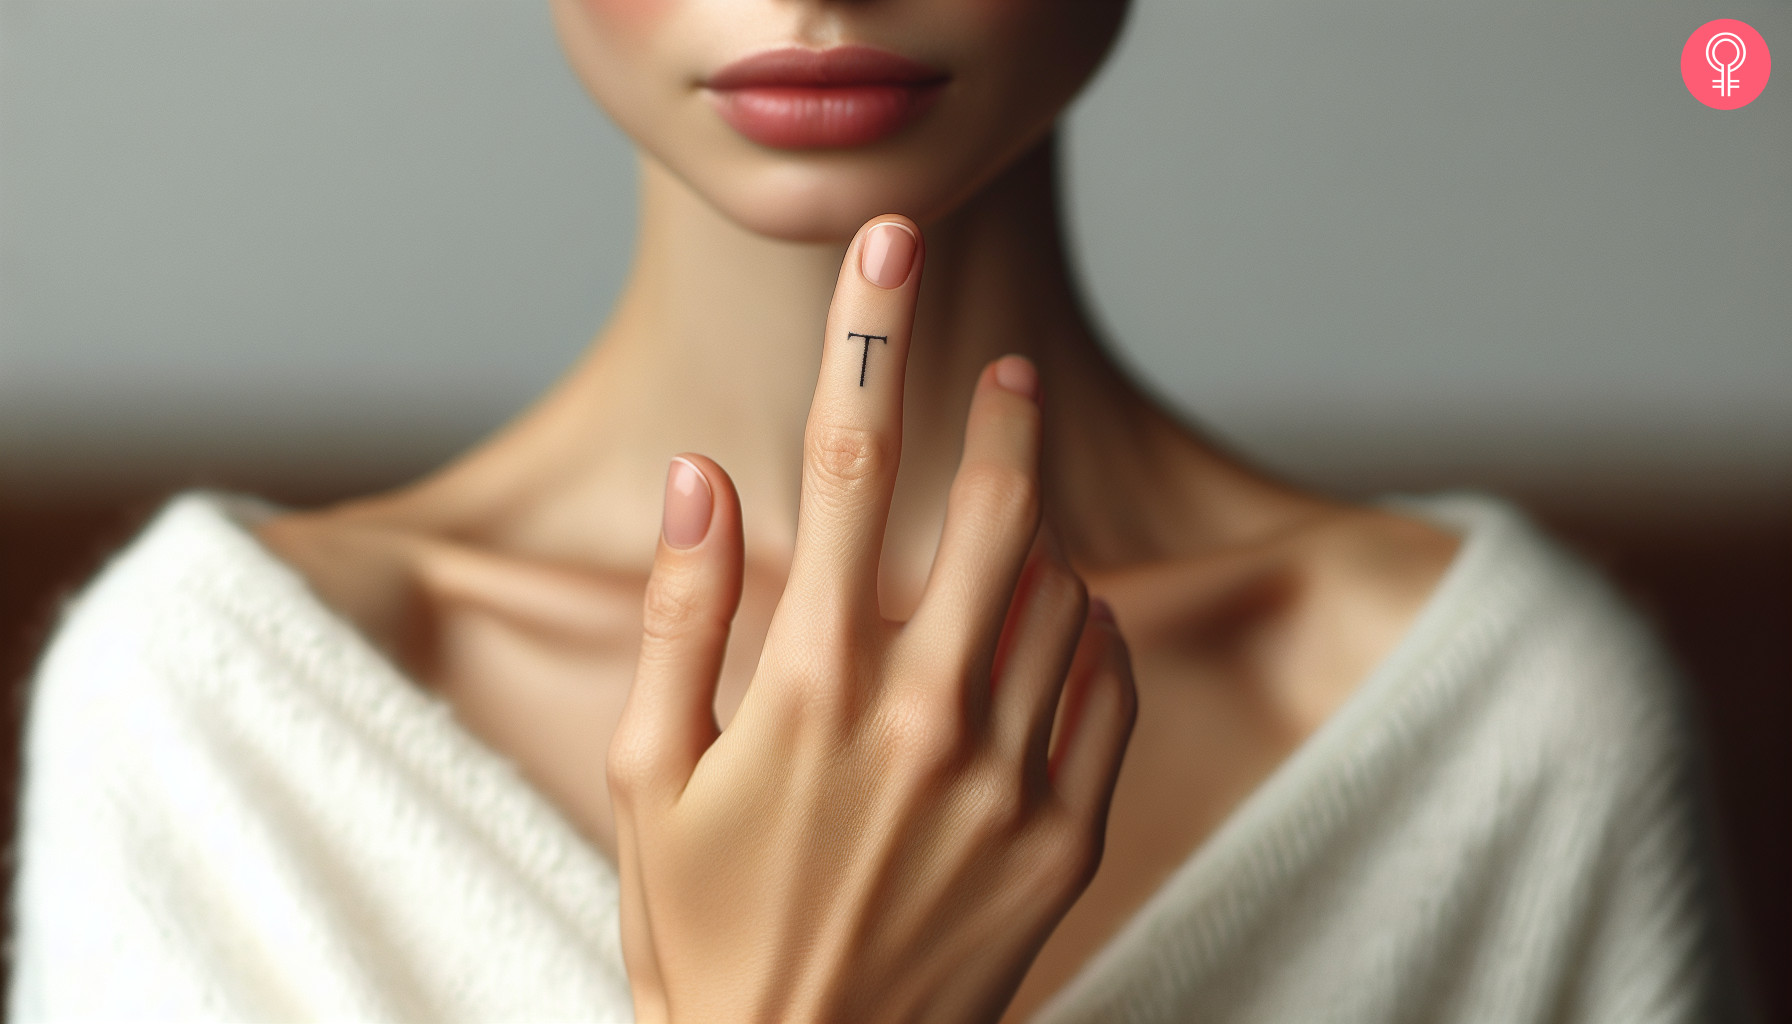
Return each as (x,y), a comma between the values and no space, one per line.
(796,98)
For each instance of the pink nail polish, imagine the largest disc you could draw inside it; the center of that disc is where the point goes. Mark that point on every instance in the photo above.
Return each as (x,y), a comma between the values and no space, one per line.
(887,254)
(689,502)
(1019,375)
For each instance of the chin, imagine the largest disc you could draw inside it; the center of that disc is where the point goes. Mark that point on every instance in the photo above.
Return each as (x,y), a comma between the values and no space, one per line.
(827,196)
(822,202)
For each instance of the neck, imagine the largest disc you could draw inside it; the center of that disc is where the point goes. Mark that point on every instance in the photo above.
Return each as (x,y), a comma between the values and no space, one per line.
(714,347)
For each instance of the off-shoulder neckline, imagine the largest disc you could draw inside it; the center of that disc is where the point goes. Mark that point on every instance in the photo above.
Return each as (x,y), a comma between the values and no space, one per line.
(1488,527)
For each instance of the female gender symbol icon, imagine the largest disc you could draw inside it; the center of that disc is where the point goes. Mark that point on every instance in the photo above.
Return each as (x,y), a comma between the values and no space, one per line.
(1736,52)
(1725,83)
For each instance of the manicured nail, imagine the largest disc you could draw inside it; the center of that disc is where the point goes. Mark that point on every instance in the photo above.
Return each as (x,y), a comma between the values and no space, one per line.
(1019,375)
(688,504)
(1100,610)
(888,251)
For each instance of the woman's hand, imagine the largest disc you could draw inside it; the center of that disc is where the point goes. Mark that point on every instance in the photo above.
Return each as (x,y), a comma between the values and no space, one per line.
(885,832)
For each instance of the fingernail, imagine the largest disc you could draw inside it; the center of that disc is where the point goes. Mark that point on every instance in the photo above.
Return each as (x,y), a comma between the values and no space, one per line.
(888,251)
(1019,375)
(688,504)
(1100,610)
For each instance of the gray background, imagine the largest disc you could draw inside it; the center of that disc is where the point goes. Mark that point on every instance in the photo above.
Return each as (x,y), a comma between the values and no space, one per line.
(1378,243)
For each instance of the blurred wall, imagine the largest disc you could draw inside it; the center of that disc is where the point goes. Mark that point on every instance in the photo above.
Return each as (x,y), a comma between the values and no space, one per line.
(1393,241)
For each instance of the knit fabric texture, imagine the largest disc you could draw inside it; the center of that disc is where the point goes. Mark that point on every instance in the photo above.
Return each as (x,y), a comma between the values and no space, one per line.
(236,808)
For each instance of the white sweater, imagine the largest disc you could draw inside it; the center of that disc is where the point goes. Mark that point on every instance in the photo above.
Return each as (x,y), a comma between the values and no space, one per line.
(237,809)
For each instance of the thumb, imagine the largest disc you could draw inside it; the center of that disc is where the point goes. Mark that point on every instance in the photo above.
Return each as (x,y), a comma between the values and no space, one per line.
(669,719)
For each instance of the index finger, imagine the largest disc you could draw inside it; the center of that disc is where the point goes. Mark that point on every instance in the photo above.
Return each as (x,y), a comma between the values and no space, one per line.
(852,441)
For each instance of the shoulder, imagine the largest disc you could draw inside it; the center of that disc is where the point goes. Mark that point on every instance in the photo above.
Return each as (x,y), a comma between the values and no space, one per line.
(218,765)
(193,648)
(1502,669)
(1577,724)
(1539,700)
(1493,824)
(1450,604)
(1523,644)
(158,601)
(197,641)
(1513,646)
(1530,736)
(121,724)
(193,595)
(1542,632)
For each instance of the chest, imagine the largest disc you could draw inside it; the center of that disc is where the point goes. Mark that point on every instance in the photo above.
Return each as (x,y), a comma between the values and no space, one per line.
(550,703)
(1204,740)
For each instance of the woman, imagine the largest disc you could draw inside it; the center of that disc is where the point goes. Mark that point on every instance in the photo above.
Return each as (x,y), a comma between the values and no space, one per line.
(448,752)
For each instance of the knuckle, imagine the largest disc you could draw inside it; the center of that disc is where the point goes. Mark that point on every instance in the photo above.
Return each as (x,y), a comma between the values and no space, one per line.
(673,607)
(1074,856)
(823,702)
(1067,852)
(630,765)
(1004,813)
(949,654)
(845,456)
(926,740)
(810,690)
(1002,493)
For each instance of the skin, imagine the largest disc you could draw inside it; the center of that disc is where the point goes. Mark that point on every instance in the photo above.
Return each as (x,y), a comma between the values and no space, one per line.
(886,819)
(513,581)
